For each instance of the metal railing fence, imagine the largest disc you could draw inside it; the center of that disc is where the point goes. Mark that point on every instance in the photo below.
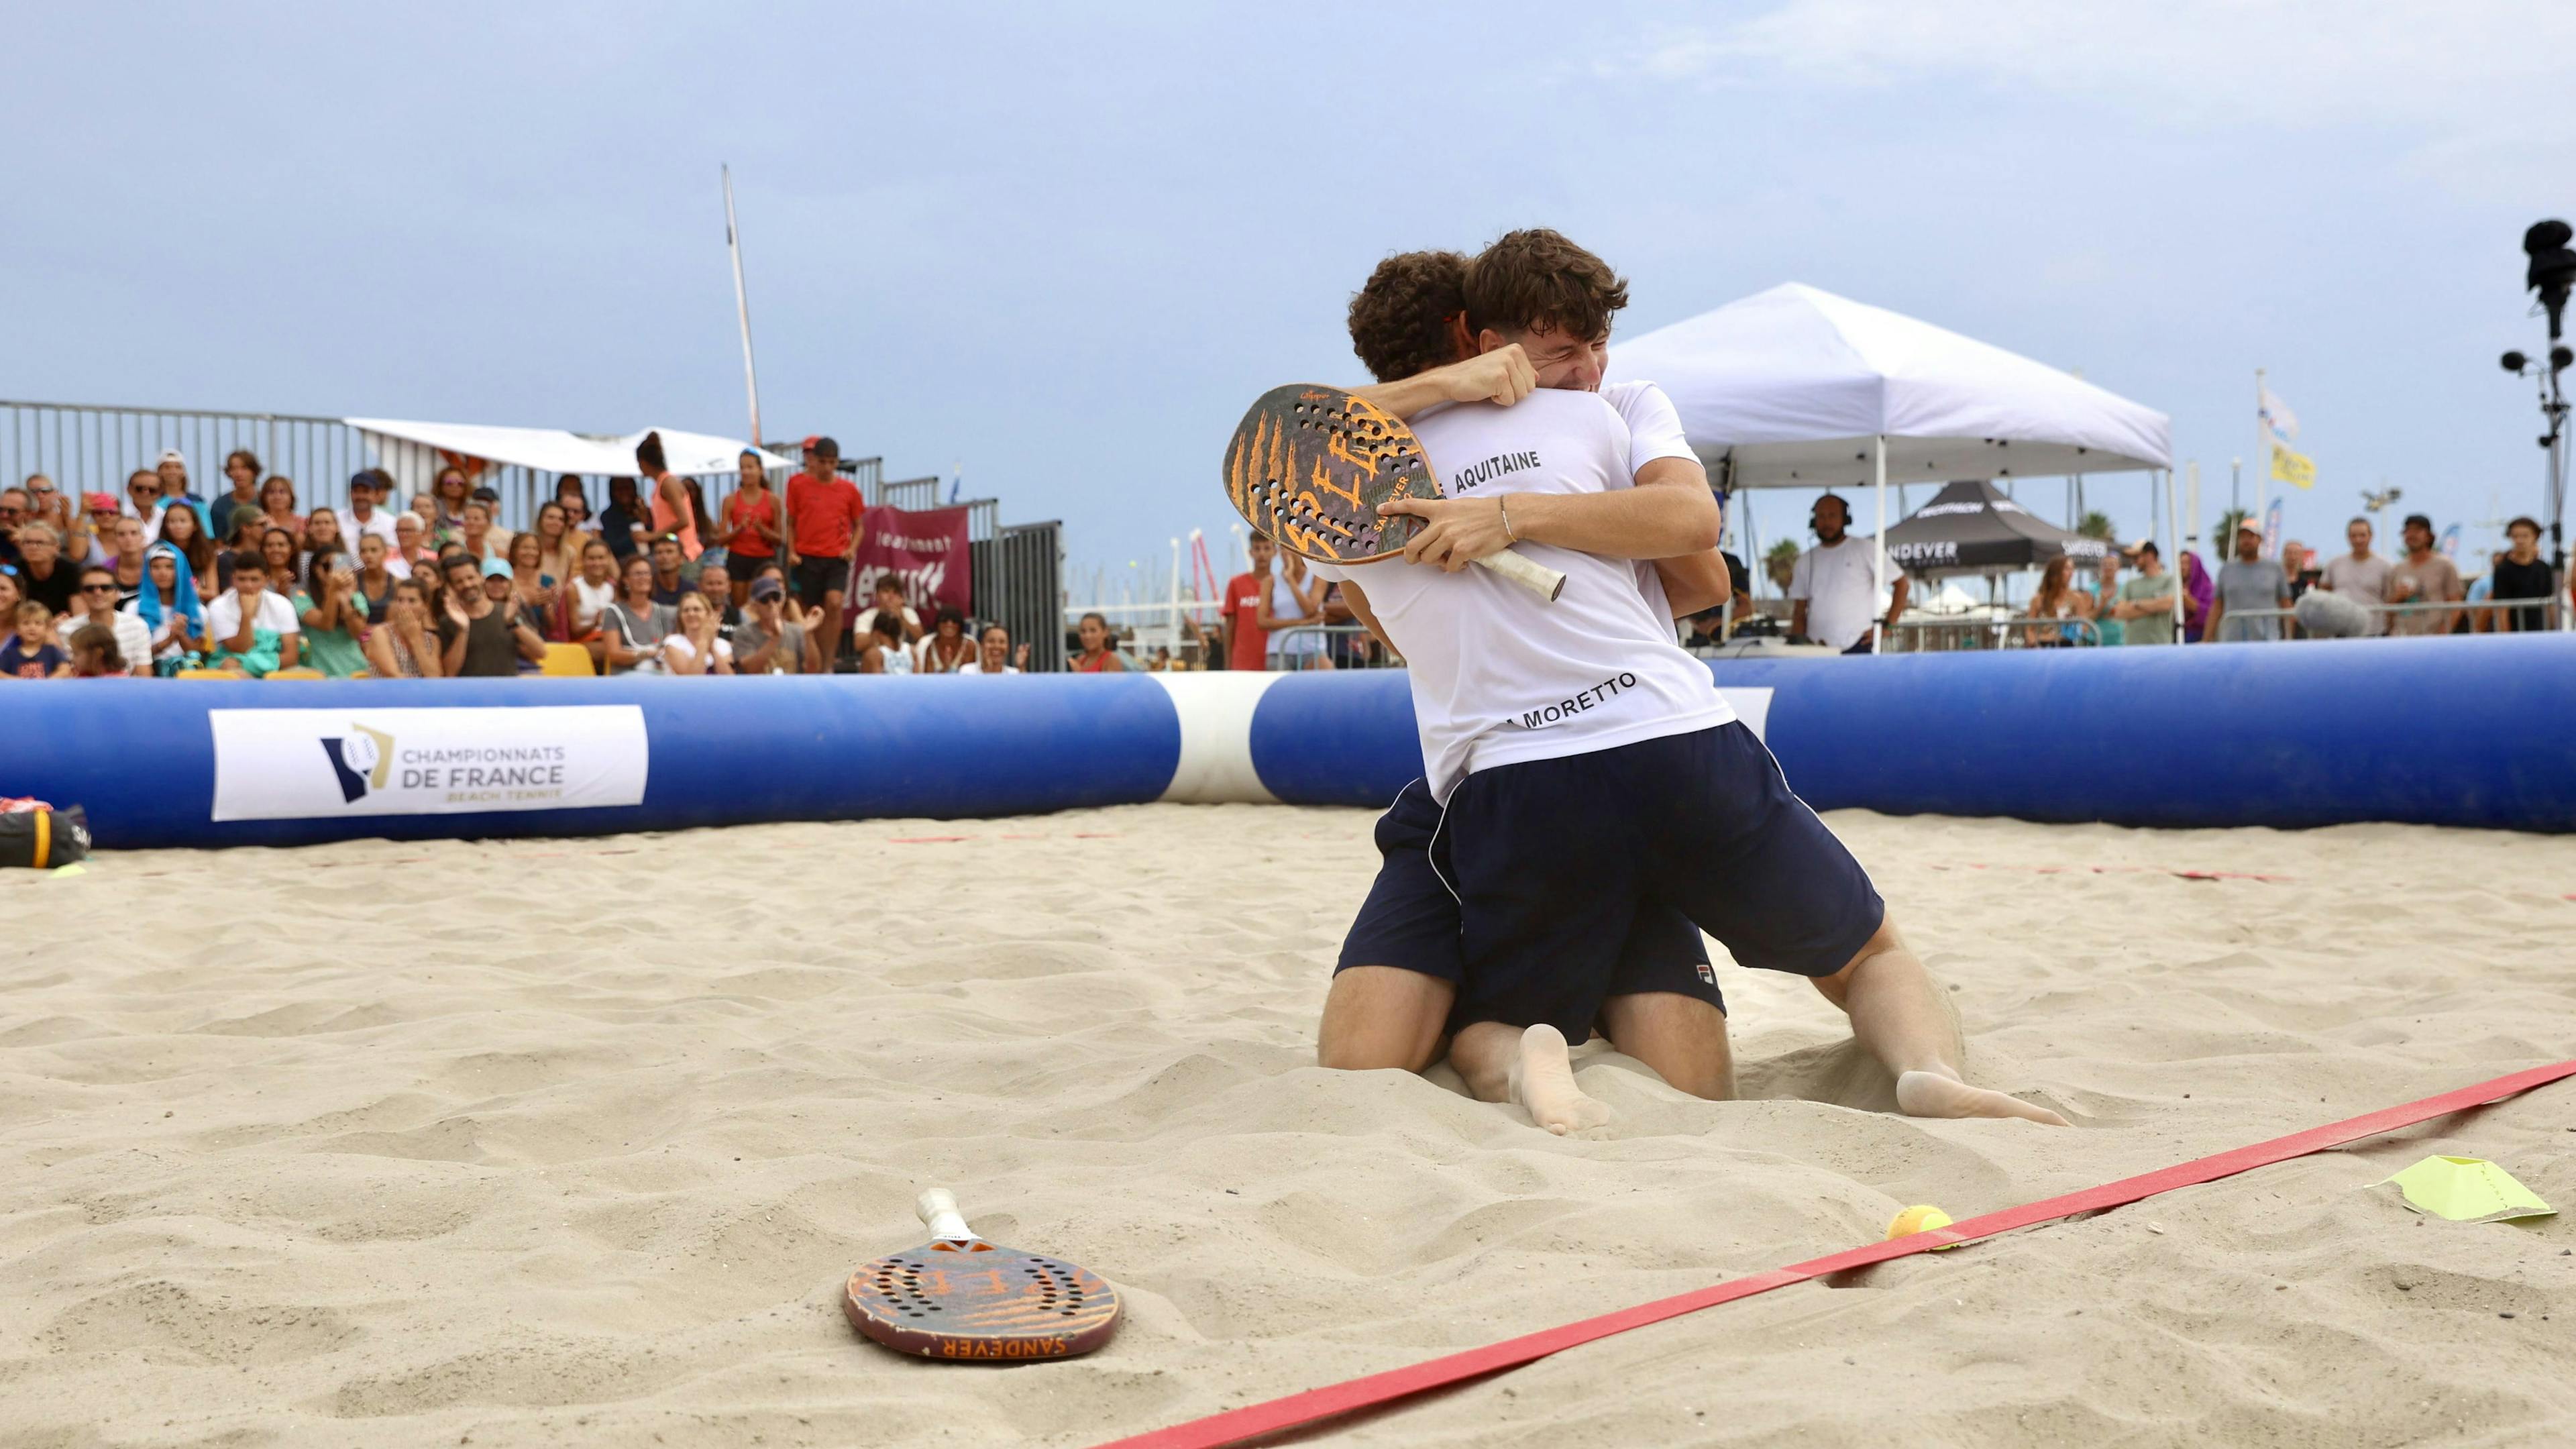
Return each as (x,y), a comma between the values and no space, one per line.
(1929,636)
(1348,646)
(2552,611)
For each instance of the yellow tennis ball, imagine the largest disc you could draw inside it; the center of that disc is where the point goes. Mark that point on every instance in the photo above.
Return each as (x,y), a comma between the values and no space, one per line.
(1920,1218)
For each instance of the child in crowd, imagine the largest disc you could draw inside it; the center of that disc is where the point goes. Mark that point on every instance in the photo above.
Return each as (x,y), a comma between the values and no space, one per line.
(95,655)
(253,626)
(31,652)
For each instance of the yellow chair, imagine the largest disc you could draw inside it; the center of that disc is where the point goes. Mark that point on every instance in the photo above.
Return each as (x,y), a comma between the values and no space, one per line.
(298,672)
(567,661)
(208,674)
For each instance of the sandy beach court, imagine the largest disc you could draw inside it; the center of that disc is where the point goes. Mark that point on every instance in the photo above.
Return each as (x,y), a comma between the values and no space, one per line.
(574,1142)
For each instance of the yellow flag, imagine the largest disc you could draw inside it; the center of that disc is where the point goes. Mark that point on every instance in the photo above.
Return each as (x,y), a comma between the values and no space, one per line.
(2289,467)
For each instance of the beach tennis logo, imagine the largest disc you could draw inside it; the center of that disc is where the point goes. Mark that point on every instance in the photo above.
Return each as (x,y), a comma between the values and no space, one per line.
(426,761)
(362,759)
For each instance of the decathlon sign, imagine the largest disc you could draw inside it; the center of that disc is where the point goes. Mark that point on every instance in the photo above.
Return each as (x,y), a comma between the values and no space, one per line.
(297,764)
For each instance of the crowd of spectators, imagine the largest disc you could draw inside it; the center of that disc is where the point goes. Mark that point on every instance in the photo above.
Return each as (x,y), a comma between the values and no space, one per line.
(166,583)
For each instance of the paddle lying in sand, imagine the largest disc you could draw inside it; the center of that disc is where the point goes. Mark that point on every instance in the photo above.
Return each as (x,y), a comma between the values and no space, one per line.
(1309,466)
(959,1297)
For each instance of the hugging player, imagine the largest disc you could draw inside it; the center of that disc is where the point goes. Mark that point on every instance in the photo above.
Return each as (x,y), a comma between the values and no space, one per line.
(1590,803)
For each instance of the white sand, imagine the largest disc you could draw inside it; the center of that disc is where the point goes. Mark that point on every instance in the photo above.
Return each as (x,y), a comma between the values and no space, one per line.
(575,1142)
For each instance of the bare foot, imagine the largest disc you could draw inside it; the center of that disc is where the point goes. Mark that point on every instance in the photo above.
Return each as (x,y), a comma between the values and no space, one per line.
(1932,1094)
(1542,1080)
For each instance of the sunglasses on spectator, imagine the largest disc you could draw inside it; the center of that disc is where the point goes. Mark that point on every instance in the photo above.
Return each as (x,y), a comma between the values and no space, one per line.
(98,588)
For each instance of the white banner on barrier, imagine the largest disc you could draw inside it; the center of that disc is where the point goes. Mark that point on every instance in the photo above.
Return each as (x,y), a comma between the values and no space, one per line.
(298,764)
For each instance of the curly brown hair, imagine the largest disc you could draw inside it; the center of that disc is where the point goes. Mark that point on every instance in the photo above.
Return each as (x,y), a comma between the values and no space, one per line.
(1537,280)
(1406,319)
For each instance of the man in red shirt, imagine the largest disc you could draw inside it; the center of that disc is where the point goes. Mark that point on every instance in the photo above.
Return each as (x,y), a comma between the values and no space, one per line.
(829,519)
(1247,644)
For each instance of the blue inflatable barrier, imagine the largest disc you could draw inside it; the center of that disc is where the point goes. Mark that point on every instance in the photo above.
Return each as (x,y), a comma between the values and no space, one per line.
(2457,731)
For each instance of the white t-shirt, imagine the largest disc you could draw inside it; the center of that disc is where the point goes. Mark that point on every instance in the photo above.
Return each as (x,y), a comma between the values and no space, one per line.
(588,600)
(976,666)
(677,646)
(1842,589)
(224,615)
(1500,675)
(133,636)
(379,522)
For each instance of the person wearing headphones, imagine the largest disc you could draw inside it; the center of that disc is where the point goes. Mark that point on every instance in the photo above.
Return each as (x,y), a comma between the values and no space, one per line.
(1833,591)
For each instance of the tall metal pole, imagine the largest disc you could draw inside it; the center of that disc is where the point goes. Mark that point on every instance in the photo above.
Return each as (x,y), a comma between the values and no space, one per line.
(741,305)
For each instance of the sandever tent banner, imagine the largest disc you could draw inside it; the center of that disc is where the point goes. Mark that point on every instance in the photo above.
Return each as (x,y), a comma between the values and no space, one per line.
(298,764)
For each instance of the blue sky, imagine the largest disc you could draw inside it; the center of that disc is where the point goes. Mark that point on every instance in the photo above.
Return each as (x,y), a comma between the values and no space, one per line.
(1060,247)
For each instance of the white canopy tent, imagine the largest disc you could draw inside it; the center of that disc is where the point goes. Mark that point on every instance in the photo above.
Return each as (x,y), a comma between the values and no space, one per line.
(1798,388)
(415,452)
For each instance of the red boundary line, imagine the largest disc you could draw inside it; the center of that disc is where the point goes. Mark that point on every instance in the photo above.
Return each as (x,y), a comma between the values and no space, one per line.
(1333,1400)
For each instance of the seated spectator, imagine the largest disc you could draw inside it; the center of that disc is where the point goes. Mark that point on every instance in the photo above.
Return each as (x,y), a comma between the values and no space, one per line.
(672,576)
(31,652)
(405,646)
(622,522)
(694,646)
(633,628)
(172,615)
(579,607)
(994,654)
(946,649)
(180,530)
(1098,654)
(425,507)
(881,649)
(94,654)
(101,528)
(11,596)
(446,516)
(497,536)
(715,583)
(333,616)
(476,532)
(143,501)
(766,641)
(321,531)
(558,547)
(124,539)
(283,559)
(533,586)
(411,545)
(432,578)
(13,512)
(241,469)
(42,574)
(376,578)
(252,625)
(888,600)
(482,635)
(576,504)
(248,526)
(277,508)
(2421,577)
(97,606)
(369,488)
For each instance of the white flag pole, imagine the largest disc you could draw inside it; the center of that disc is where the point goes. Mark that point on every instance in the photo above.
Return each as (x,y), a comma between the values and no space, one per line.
(741,305)
(2226,547)
(1877,635)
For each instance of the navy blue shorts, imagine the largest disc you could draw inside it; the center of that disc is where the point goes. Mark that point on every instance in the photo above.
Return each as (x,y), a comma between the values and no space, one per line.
(1555,860)
(1410,920)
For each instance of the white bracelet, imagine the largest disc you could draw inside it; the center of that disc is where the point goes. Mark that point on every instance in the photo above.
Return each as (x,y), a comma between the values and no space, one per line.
(1503,502)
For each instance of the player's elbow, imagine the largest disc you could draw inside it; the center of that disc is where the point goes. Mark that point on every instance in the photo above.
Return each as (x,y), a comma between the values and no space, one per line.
(1697,523)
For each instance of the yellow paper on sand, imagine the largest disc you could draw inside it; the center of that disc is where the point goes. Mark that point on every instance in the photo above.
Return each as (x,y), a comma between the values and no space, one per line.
(75,868)
(2468,1190)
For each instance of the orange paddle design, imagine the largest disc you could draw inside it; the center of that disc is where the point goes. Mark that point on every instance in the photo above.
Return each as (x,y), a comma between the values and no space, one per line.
(959,1297)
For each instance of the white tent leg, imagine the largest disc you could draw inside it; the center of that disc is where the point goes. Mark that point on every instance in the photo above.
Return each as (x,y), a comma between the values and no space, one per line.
(1877,635)
(2173,566)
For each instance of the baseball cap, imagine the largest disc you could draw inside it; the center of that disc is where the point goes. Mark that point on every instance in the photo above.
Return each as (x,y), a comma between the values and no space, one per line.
(2247,525)
(766,588)
(173,455)
(817,443)
(95,502)
(494,568)
(2420,520)
(363,478)
(485,494)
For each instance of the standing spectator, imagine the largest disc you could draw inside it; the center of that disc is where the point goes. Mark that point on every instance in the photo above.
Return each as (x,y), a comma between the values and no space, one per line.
(143,501)
(366,513)
(405,646)
(31,652)
(994,653)
(1296,603)
(1834,586)
(496,539)
(694,647)
(125,551)
(42,574)
(447,504)
(2056,598)
(248,527)
(13,513)
(946,649)
(765,642)
(585,603)
(183,533)
(671,574)
(827,521)
(333,616)
(1097,656)
(2423,577)
(2197,593)
(241,469)
(477,534)
(2102,603)
(173,472)
(46,504)
(752,525)
(2522,574)
(2146,605)
(889,602)
(95,654)
(576,503)
(1247,644)
(558,547)
(2299,564)
(633,628)
(621,523)
(2360,575)
(482,635)
(169,609)
(411,545)
(532,586)
(321,531)
(98,606)
(376,578)
(674,512)
(2248,581)
(277,505)
(252,625)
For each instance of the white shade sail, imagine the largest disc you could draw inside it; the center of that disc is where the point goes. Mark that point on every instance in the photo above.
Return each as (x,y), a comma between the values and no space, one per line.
(414,452)
(1791,388)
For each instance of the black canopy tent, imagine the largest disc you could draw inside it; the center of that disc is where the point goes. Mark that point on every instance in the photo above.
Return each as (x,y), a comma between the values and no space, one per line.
(1970,527)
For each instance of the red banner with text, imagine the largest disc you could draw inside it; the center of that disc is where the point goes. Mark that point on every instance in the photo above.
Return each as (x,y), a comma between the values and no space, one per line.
(925,549)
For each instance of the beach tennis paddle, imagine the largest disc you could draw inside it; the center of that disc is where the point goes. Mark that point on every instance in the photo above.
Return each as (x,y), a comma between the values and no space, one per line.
(1309,466)
(959,1297)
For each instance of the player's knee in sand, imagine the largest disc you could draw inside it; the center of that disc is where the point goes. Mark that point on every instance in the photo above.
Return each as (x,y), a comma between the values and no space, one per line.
(1383,1017)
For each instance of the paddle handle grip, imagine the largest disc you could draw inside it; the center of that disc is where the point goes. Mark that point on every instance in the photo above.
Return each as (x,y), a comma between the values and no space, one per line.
(938,1208)
(1538,578)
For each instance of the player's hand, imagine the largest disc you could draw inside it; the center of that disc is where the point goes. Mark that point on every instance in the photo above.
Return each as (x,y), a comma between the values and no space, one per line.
(1503,375)
(1458,531)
